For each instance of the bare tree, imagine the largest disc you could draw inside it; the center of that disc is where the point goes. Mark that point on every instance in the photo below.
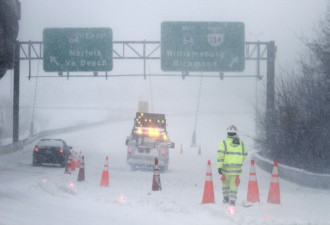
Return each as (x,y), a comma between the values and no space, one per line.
(302,125)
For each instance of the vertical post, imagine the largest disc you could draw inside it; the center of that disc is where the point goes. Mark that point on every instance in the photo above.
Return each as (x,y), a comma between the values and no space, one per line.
(144,59)
(193,139)
(29,54)
(258,60)
(16,93)
(270,110)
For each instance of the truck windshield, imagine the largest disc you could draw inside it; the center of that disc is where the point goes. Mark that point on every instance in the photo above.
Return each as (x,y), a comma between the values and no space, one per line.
(147,142)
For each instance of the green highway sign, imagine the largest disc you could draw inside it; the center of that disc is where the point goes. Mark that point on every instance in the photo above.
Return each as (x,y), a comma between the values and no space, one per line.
(203,46)
(77,49)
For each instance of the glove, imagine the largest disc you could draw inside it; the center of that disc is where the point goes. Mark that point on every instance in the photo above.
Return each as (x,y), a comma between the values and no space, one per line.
(223,178)
(219,171)
(237,181)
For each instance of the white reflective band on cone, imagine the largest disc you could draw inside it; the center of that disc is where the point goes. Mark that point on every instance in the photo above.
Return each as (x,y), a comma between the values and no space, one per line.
(275,177)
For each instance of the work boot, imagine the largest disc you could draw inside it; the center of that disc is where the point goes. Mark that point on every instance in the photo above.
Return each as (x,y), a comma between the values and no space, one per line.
(232,202)
(226,199)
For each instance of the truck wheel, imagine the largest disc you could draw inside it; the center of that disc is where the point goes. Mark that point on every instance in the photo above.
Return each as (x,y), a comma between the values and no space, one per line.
(163,168)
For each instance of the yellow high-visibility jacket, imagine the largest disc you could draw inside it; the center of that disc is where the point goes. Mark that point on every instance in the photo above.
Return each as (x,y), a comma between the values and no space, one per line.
(230,156)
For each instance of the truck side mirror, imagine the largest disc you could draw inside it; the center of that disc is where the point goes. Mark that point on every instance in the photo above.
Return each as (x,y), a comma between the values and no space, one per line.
(171,145)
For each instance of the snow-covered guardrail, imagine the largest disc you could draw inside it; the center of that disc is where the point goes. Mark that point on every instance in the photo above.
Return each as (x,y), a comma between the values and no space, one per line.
(298,176)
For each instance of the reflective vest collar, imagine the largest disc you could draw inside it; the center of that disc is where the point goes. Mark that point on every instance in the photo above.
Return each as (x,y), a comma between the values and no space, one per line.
(234,153)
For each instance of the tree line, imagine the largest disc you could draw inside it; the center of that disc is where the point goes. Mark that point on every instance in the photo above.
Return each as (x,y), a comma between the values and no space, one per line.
(300,131)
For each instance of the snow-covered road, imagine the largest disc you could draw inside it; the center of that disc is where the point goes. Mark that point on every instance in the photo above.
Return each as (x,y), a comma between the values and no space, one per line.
(45,195)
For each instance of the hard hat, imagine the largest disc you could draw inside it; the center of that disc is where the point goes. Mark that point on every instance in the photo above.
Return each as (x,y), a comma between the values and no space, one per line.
(232,129)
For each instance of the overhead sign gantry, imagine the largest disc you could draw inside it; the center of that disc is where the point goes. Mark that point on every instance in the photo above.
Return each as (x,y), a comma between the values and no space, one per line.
(52,52)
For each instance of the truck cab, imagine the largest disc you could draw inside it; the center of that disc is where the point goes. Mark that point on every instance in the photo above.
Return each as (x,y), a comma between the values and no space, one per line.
(148,141)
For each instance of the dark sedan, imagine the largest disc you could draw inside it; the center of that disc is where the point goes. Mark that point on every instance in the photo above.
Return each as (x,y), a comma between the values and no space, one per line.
(52,152)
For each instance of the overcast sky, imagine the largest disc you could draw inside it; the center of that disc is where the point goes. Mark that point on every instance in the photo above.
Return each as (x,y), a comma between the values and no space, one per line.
(283,21)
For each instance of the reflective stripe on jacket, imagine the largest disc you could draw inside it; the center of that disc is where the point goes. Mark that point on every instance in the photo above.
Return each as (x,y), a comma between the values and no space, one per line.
(230,156)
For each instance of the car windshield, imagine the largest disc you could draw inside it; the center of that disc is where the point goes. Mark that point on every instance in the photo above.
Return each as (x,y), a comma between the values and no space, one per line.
(50,143)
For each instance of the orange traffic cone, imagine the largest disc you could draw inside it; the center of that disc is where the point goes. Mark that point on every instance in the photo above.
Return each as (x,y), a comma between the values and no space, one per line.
(105,174)
(68,166)
(274,189)
(81,174)
(73,162)
(156,186)
(253,190)
(208,195)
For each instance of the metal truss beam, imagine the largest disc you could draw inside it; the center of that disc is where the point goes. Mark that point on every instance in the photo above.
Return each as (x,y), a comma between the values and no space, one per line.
(143,51)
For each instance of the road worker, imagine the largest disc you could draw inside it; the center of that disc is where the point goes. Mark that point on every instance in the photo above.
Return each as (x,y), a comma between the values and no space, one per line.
(230,157)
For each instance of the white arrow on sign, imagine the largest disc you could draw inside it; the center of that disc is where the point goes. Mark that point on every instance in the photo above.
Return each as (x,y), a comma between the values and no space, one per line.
(53,60)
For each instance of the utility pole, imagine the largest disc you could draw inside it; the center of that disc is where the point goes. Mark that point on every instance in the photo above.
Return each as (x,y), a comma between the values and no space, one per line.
(16,93)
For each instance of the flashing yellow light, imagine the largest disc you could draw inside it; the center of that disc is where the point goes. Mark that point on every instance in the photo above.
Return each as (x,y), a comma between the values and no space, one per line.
(153,132)
(139,131)
(165,137)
